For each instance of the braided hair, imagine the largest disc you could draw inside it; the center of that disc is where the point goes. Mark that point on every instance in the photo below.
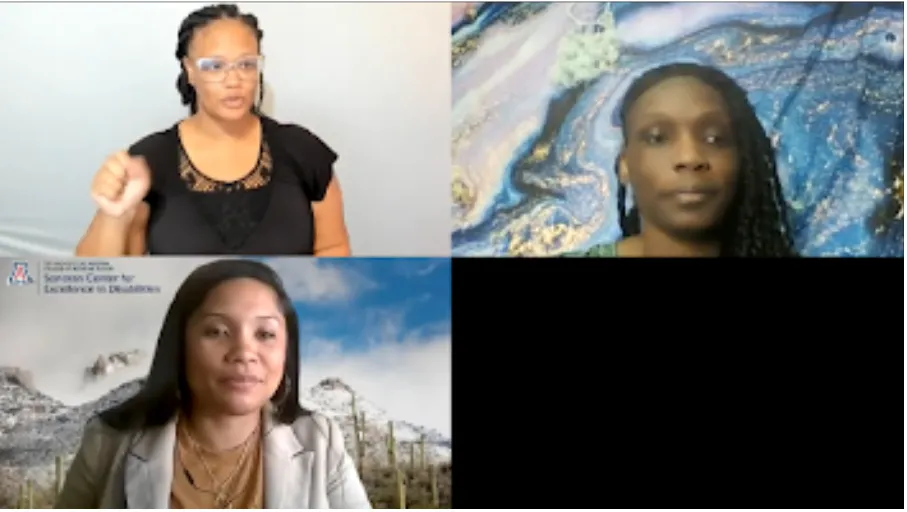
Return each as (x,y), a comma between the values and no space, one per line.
(193,22)
(756,222)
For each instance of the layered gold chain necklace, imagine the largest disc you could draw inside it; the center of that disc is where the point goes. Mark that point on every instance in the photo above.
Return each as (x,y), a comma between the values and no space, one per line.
(222,500)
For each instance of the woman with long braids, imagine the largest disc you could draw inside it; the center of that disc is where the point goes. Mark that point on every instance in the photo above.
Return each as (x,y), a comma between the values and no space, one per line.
(217,423)
(701,170)
(227,179)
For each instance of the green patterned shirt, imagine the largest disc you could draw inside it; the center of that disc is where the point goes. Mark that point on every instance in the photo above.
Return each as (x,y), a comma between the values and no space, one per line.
(597,251)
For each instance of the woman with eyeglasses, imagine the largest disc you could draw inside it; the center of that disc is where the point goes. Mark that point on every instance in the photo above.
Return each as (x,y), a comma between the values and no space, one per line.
(217,423)
(227,179)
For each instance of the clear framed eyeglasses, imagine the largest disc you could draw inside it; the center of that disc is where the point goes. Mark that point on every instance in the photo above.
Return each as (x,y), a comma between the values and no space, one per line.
(216,69)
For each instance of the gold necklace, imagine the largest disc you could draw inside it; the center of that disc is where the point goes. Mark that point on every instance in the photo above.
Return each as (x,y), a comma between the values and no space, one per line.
(222,501)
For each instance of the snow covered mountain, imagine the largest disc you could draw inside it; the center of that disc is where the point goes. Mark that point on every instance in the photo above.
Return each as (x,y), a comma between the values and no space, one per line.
(335,398)
(34,428)
(104,365)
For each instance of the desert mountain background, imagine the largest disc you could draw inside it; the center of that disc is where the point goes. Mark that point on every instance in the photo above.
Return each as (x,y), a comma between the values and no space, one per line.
(35,428)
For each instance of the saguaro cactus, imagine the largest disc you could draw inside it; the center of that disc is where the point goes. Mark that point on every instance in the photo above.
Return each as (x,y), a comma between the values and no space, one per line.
(401,488)
(29,495)
(391,445)
(435,500)
(422,452)
(359,434)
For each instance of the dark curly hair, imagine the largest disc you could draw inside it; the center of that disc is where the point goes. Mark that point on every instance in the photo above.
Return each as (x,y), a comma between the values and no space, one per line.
(193,22)
(757,220)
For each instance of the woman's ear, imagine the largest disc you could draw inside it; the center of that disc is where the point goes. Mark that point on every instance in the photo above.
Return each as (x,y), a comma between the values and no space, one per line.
(190,71)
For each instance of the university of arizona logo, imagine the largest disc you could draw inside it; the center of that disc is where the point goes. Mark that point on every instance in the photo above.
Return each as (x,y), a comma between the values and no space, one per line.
(19,275)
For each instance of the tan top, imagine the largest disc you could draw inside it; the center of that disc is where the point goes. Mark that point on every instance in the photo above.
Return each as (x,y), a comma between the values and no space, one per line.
(305,465)
(238,476)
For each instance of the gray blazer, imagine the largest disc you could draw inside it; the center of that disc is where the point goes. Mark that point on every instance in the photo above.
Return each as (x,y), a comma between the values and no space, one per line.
(305,466)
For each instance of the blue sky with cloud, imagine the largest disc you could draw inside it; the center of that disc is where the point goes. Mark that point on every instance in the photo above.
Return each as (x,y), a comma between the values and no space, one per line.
(388,301)
(382,325)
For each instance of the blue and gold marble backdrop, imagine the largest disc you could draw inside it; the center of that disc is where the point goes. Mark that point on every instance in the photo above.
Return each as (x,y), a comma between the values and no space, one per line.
(535,138)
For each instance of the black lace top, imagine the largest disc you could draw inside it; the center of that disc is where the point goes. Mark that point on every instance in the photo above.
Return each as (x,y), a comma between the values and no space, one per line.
(268,212)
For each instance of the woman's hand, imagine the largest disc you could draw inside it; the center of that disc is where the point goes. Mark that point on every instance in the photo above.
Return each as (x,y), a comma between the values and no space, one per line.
(120,185)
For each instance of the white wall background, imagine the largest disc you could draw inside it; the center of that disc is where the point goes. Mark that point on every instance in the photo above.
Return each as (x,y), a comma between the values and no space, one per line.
(84,80)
